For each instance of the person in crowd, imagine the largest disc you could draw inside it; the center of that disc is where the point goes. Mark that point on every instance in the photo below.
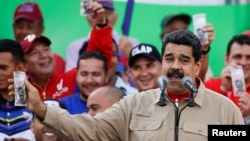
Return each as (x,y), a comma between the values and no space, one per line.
(89,76)
(92,73)
(154,110)
(40,64)
(174,22)
(28,19)
(14,120)
(41,131)
(40,68)
(237,54)
(102,98)
(145,66)
(113,78)
(125,43)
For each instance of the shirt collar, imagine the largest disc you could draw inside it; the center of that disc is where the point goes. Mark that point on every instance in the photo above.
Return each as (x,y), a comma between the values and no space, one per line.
(199,98)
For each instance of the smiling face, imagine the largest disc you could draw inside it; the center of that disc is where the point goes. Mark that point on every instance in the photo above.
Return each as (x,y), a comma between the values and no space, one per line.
(42,133)
(178,61)
(40,60)
(90,76)
(240,55)
(7,66)
(145,73)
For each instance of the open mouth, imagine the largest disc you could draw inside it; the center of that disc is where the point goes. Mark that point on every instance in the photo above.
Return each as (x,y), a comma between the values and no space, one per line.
(44,64)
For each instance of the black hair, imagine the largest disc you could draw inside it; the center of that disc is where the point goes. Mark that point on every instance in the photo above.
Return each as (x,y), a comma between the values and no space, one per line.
(13,47)
(83,48)
(183,37)
(239,39)
(93,54)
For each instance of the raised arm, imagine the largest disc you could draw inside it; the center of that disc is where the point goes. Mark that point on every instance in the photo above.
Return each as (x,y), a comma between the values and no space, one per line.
(101,34)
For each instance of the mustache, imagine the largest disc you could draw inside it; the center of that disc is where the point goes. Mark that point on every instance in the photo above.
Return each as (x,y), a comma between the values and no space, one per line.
(175,73)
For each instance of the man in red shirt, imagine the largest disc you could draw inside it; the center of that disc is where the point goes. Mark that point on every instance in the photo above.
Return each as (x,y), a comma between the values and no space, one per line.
(238,54)
(28,19)
(40,64)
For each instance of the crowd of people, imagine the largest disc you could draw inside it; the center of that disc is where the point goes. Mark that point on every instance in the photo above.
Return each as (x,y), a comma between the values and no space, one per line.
(108,86)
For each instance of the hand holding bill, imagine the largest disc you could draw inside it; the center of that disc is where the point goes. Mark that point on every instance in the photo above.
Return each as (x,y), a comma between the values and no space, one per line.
(34,103)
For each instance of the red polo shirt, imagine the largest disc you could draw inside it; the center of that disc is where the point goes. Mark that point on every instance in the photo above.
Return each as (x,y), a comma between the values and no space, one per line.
(58,85)
(215,83)
(63,84)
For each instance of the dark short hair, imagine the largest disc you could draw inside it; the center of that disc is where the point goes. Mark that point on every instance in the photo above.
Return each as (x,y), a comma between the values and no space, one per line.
(83,48)
(184,37)
(93,54)
(239,39)
(13,47)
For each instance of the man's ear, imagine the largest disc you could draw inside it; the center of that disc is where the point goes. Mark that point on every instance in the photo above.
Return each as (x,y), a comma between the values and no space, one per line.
(161,36)
(41,29)
(226,59)
(25,67)
(21,67)
(197,67)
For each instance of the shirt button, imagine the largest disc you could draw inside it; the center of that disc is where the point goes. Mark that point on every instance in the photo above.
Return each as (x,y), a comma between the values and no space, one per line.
(8,114)
(8,124)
